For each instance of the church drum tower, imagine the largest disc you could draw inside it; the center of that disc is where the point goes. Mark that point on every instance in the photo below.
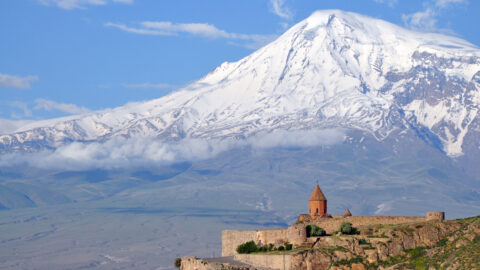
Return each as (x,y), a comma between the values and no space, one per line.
(317,203)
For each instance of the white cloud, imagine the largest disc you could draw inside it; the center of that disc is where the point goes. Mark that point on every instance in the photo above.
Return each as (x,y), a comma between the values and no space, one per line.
(198,29)
(9,126)
(390,3)
(12,81)
(80,4)
(144,151)
(445,3)
(282,138)
(49,105)
(427,19)
(23,107)
(163,86)
(383,208)
(280,10)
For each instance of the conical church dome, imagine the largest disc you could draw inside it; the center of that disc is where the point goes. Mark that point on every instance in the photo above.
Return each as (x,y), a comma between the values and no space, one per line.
(317,195)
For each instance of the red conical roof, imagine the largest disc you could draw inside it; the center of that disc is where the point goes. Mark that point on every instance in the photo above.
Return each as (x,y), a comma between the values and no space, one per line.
(317,195)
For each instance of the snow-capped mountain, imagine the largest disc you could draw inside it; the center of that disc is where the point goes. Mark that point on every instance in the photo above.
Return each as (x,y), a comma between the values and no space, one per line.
(333,69)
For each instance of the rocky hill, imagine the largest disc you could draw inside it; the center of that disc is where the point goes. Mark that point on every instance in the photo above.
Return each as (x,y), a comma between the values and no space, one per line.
(453,244)
(433,245)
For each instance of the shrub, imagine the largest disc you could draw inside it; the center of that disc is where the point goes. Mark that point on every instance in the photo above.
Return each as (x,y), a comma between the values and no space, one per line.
(347,262)
(317,231)
(288,246)
(178,262)
(309,230)
(247,248)
(263,249)
(314,230)
(416,252)
(281,248)
(363,242)
(270,247)
(442,242)
(347,228)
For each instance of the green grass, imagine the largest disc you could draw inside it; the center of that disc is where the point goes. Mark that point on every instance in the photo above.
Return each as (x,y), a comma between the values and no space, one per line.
(348,262)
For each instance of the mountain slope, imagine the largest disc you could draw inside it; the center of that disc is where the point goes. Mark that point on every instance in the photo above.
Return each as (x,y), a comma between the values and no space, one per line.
(334,69)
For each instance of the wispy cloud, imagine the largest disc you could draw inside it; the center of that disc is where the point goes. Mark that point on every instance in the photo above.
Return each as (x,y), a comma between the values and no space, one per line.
(279,8)
(23,107)
(80,4)
(162,86)
(134,152)
(204,30)
(390,3)
(427,19)
(9,126)
(445,3)
(50,105)
(12,81)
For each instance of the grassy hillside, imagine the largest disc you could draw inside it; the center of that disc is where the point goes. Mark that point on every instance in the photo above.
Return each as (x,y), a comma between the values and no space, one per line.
(460,250)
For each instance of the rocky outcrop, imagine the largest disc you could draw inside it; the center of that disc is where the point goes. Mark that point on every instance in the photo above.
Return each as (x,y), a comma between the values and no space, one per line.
(451,244)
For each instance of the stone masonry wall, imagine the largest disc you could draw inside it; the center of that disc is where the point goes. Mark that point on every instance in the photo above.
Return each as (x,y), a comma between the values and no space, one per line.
(269,261)
(296,234)
(331,225)
(272,236)
(232,239)
(192,263)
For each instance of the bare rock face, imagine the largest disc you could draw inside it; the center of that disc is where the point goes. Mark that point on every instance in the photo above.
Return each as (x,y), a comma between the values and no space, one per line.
(382,243)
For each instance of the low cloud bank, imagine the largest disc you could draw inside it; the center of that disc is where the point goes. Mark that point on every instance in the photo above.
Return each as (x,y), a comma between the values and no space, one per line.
(138,152)
(10,126)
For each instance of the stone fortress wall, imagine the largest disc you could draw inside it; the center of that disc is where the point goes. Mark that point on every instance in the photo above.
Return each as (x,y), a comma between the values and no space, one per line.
(296,234)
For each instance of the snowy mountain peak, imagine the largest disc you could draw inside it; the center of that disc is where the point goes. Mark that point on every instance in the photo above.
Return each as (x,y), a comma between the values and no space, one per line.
(333,69)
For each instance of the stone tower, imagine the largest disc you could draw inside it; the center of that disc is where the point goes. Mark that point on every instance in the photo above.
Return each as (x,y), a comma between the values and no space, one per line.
(317,203)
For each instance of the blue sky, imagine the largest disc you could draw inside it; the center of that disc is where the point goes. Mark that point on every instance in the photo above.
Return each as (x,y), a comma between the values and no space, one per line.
(62,57)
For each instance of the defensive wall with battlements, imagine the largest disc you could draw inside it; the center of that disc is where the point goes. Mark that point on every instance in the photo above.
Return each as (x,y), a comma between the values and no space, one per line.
(296,234)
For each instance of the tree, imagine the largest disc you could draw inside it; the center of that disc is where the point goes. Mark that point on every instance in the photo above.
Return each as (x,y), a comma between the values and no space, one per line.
(314,230)
(317,231)
(247,247)
(178,262)
(347,228)
(309,230)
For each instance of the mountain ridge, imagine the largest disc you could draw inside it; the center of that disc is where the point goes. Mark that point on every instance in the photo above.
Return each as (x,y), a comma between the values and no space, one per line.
(333,69)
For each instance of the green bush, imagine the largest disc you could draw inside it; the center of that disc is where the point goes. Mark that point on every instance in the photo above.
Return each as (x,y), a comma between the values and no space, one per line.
(314,230)
(416,252)
(347,262)
(271,247)
(178,262)
(442,243)
(309,230)
(263,249)
(363,242)
(281,248)
(247,248)
(347,228)
(288,246)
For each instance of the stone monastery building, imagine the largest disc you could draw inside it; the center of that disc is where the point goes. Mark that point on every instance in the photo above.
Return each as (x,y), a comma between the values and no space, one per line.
(317,215)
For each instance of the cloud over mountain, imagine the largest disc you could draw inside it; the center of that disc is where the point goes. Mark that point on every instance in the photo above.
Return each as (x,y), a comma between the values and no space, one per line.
(147,151)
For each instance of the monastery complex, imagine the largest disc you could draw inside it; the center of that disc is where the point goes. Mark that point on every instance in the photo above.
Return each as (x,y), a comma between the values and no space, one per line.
(297,234)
